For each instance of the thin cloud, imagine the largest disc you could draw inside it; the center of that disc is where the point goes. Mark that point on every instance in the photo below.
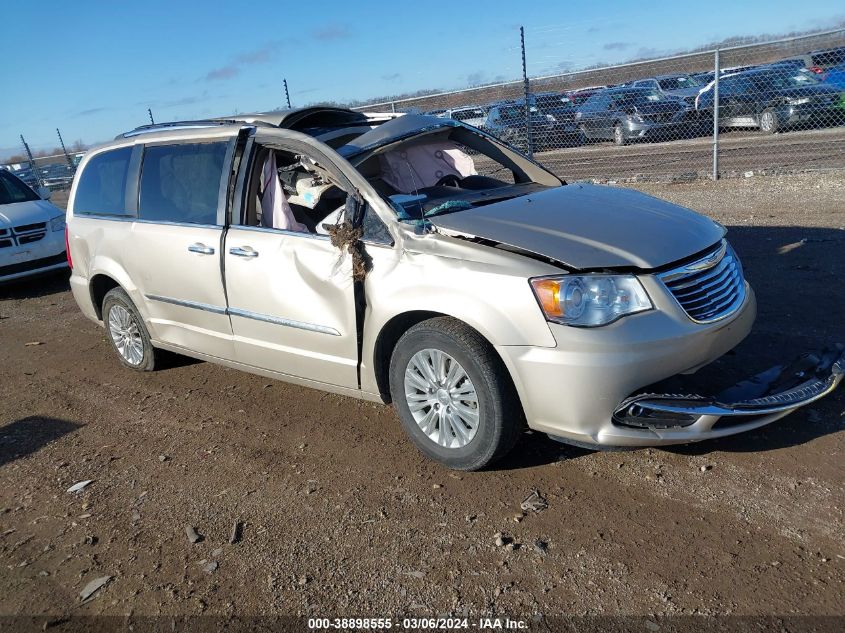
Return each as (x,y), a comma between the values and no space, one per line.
(646,51)
(617,46)
(173,103)
(90,111)
(226,72)
(261,55)
(332,32)
(391,77)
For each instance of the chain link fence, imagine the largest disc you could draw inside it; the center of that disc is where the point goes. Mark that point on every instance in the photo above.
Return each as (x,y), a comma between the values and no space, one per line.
(763,108)
(779,106)
(55,171)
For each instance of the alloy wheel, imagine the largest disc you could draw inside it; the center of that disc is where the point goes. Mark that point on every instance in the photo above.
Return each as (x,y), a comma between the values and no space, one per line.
(767,121)
(618,135)
(441,398)
(126,335)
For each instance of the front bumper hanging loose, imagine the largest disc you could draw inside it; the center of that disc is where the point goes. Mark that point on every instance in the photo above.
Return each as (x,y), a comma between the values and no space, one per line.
(765,397)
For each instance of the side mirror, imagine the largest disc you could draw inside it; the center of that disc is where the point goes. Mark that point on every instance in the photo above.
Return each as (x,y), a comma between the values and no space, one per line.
(44,193)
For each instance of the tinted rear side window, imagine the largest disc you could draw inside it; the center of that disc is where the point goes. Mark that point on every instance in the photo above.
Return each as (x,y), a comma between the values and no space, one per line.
(180,183)
(102,185)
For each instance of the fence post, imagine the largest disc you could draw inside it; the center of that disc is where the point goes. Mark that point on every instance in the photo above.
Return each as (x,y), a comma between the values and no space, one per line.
(527,94)
(32,162)
(64,150)
(716,114)
(393,107)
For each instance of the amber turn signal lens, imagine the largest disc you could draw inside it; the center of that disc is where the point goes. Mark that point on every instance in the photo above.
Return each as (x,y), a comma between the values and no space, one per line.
(548,294)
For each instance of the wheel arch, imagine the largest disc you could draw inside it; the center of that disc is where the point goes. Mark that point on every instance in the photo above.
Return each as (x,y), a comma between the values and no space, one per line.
(392,331)
(386,341)
(99,286)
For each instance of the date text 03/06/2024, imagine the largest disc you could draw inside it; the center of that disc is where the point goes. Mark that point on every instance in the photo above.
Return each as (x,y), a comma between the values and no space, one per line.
(446,624)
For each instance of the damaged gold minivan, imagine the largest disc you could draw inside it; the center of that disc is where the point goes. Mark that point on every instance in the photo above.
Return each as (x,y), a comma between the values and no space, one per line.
(417,260)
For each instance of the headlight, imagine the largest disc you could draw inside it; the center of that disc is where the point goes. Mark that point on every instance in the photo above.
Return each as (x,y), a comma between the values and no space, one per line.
(798,101)
(57,223)
(589,300)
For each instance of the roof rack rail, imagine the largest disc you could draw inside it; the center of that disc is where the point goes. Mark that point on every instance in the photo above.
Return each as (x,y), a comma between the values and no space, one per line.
(187,125)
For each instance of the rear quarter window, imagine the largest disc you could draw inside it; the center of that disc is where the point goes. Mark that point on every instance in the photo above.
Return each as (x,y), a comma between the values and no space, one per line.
(180,183)
(101,189)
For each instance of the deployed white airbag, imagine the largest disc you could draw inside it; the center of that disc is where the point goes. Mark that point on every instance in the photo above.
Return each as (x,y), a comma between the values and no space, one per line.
(409,169)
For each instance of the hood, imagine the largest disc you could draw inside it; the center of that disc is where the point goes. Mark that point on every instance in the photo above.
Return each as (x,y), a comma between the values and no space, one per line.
(658,107)
(591,227)
(817,90)
(29,212)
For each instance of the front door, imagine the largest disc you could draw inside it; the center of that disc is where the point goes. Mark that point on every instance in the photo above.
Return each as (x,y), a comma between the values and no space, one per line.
(174,246)
(291,304)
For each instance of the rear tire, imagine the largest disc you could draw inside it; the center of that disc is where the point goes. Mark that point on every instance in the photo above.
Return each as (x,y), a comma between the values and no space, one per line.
(126,331)
(453,394)
(769,123)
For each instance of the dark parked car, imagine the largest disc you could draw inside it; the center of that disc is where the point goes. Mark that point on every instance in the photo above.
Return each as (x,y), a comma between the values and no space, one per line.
(507,121)
(771,98)
(577,97)
(705,77)
(829,57)
(625,114)
(57,175)
(679,85)
(562,110)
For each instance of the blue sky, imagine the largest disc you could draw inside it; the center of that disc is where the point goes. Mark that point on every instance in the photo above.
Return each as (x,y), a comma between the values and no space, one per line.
(92,68)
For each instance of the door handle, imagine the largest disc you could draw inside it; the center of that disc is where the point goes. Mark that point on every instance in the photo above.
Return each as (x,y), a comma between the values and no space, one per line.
(246,251)
(200,248)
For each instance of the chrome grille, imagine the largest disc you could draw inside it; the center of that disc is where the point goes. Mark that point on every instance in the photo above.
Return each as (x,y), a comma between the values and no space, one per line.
(23,234)
(710,288)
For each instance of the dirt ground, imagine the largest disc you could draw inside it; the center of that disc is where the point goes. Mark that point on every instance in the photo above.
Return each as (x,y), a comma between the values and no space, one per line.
(341,516)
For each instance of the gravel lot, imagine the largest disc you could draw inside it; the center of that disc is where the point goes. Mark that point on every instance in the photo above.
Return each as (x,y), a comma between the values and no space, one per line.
(340,516)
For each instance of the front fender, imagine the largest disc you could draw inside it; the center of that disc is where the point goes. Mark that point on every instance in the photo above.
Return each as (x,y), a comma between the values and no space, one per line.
(486,288)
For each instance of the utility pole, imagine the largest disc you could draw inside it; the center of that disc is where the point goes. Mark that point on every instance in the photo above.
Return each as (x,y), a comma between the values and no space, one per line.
(527,94)
(64,149)
(287,94)
(32,162)
(150,112)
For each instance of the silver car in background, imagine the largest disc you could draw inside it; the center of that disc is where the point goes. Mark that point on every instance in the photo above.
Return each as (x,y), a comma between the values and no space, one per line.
(419,261)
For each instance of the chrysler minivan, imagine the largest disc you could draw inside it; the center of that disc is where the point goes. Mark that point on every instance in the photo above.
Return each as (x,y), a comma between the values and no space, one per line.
(416,260)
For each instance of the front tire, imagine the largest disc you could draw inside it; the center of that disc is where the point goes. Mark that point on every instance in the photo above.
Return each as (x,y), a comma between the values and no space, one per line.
(126,331)
(453,394)
(619,135)
(769,123)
